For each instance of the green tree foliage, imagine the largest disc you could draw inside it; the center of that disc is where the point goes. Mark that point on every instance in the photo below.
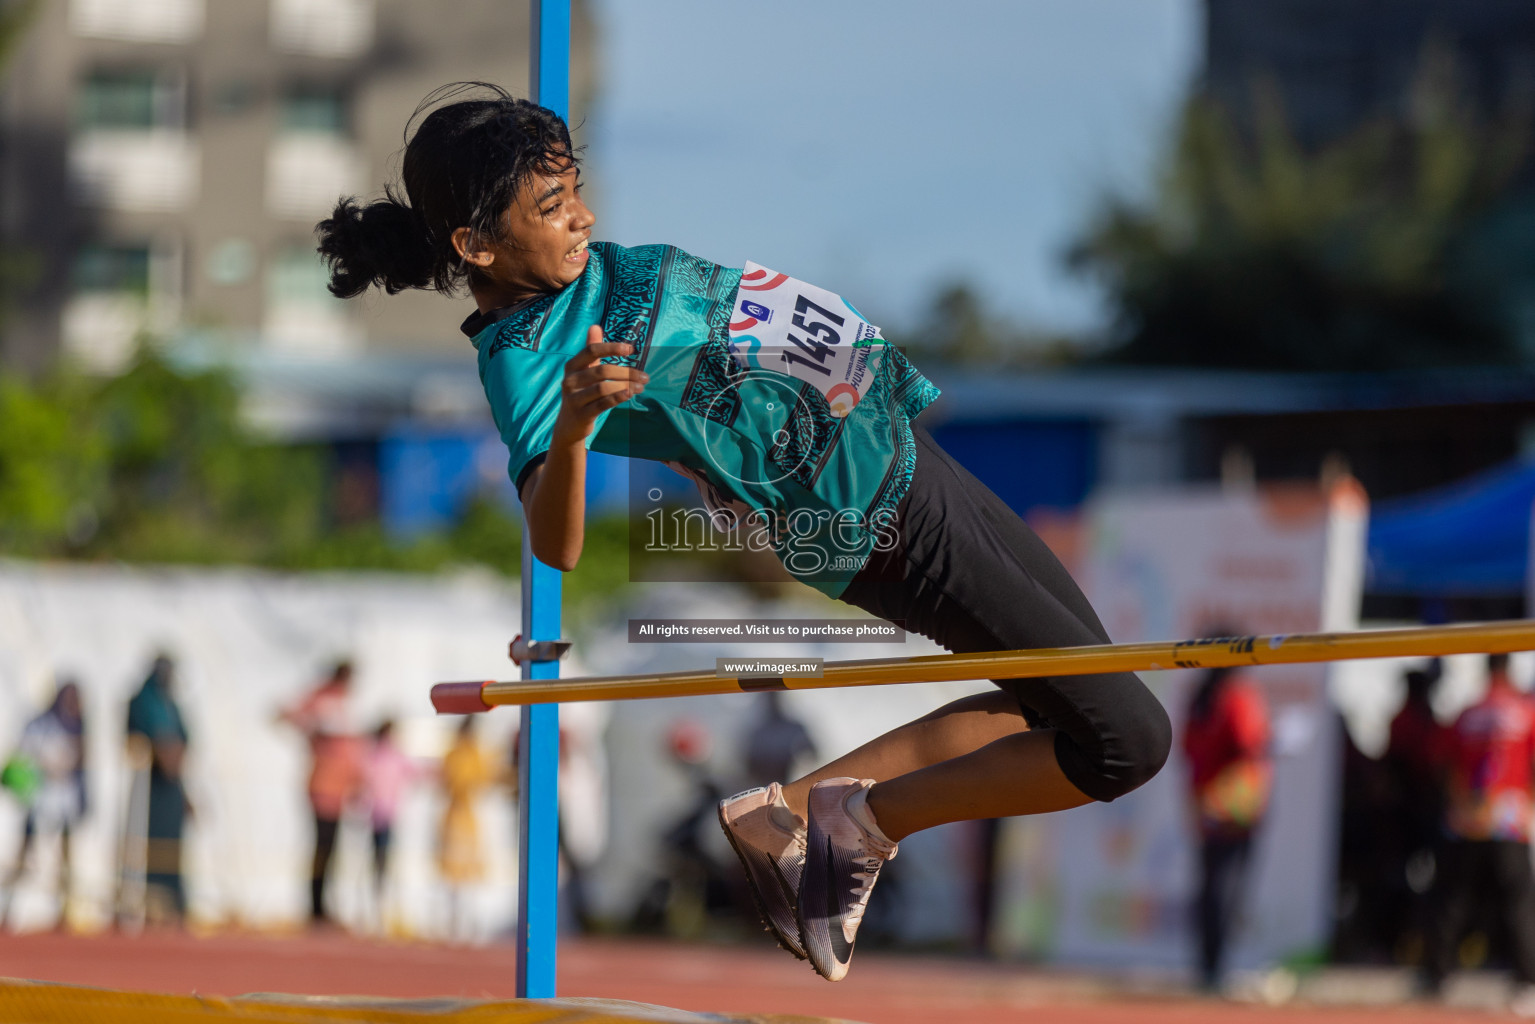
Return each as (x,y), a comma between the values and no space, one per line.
(957,329)
(1257,253)
(50,470)
(155,466)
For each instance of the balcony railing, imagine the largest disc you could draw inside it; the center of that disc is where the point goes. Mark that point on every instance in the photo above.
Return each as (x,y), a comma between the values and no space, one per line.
(141,21)
(151,171)
(307,172)
(100,330)
(323,28)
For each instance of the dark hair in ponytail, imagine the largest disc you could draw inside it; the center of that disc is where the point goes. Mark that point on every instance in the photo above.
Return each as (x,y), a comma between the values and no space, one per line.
(463,167)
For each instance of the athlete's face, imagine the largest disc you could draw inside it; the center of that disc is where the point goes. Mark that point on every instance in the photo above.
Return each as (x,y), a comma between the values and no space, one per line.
(542,244)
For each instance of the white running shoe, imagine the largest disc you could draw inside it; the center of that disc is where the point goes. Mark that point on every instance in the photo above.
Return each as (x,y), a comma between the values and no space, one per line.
(844,851)
(770,840)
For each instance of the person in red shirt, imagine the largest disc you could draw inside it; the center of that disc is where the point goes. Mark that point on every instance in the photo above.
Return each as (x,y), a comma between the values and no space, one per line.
(1490,756)
(1415,754)
(1411,848)
(324,716)
(1226,741)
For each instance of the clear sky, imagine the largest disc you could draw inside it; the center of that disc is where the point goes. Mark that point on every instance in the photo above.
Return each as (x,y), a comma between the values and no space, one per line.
(880,148)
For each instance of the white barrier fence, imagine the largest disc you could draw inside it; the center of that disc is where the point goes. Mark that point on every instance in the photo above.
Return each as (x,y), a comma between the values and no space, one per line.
(247,643)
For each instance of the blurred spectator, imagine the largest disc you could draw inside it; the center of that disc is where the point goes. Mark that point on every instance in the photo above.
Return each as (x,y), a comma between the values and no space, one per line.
(156,729)
(1414,760)
(775,742)
(1366,910)
(466,774)
(583,805)
(47,774)
(692,885)
(325,719)
(387,772)
(1226,741)
(1491,757)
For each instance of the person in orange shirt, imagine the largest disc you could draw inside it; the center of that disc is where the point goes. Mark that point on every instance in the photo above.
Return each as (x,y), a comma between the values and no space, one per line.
(325,719)
(1225,739)
(1490,755)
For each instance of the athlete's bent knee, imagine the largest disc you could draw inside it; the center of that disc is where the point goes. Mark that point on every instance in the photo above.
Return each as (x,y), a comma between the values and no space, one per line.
(1124,743)
(1148,739)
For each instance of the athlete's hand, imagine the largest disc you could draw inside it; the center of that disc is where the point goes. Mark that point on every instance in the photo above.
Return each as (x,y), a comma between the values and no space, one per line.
(591,387)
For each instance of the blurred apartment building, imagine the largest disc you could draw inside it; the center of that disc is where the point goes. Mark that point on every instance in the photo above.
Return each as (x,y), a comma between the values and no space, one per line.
(163,164)
(1337,66)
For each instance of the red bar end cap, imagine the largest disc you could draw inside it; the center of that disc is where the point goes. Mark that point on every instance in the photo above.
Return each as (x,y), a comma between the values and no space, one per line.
(459,698)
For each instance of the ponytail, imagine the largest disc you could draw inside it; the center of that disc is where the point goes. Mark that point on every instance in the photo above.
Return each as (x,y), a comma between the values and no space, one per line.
(383,243)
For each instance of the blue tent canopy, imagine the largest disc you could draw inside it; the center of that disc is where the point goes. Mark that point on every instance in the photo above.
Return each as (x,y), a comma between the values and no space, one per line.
(1471,538)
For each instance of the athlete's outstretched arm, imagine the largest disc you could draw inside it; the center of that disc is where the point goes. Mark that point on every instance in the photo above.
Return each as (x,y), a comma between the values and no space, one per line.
(554,495)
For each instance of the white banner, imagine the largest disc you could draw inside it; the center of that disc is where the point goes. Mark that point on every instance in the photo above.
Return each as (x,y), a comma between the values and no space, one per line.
(1114,883)
(247,643)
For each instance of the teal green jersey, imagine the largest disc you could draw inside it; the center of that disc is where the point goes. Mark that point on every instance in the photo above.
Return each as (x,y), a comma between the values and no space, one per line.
(821,483)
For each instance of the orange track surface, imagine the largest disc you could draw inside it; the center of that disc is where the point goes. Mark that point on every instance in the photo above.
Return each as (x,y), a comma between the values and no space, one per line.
(882,989)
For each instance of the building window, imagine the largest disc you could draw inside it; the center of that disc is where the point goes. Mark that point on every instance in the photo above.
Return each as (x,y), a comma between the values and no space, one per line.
(230,262)
(120,291)
(122,269)
(140,100)
(323,28)
(298,278)
(130,150)
(315,110)
(310,161)
(140,21)
(302,316)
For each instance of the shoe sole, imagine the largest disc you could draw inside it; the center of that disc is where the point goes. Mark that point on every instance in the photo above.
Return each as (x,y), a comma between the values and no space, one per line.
(757,900)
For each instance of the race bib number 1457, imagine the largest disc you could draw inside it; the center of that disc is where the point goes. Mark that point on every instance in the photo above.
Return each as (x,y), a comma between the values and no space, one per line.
(811,334)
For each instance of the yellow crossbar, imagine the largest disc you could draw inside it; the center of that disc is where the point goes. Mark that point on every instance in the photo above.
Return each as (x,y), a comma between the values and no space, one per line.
(44,1003)
(1417,641)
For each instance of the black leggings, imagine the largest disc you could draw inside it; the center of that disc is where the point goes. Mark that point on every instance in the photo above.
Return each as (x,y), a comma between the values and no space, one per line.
(324,845)
(971,575)
(1223,864)
(1481,881)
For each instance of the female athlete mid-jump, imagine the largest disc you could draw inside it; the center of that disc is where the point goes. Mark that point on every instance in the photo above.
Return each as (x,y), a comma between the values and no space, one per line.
(797,421)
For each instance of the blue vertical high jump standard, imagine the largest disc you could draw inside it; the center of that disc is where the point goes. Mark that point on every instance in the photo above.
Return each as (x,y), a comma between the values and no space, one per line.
(539,738)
